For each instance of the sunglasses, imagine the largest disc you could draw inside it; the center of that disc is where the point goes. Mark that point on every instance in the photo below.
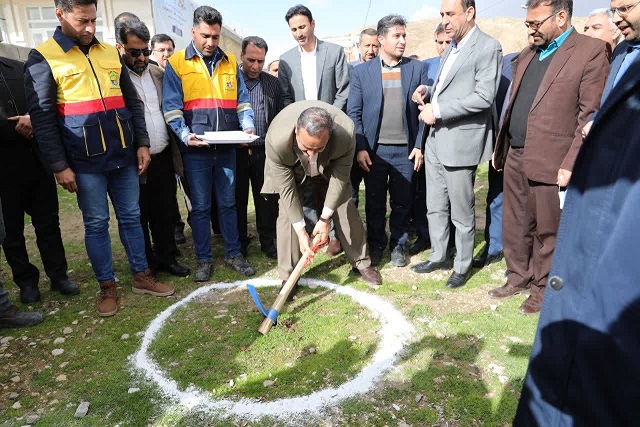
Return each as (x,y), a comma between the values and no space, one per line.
(136,52)
(535,25)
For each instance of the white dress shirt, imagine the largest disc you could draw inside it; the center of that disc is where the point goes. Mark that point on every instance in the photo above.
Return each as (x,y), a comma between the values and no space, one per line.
(309,77)
(153,117)
(446,68)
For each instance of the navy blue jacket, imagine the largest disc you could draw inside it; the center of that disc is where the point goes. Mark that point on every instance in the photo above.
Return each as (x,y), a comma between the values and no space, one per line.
(366,101)
(584,368)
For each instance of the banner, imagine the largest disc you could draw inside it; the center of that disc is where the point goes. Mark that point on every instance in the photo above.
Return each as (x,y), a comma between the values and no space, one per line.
(175,19)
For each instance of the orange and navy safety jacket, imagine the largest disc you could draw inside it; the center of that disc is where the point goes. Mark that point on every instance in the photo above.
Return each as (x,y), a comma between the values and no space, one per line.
(204,94)
(84,109)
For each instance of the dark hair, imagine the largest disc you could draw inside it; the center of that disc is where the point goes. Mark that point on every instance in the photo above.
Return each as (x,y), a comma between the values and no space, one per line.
(122,22)
(557,5)
(466,4)
(388,22)
(208,15)
(367,32)
(135,28)
(298,10)
(161,38)
(315,120)
(439,30)
(68,5)
(256,41)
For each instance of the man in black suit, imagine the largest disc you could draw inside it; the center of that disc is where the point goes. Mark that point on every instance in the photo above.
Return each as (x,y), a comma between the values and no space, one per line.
(267,100)
(26,186)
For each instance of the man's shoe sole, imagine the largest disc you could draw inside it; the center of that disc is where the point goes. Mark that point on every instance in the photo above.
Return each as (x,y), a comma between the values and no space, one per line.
(108,314)
(154,293)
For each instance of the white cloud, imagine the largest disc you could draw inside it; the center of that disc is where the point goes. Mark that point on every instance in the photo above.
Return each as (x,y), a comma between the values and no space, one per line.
(425,12)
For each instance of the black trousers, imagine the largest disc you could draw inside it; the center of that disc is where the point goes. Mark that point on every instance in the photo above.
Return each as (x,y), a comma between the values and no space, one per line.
(419,208)
(250,168)
(157,204)
(37,197)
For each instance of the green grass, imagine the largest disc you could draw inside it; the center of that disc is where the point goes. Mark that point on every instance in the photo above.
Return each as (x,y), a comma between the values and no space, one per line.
(467,359)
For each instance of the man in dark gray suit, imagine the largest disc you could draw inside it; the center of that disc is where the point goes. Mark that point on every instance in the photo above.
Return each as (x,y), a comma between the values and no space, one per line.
(313,70)
(461,135)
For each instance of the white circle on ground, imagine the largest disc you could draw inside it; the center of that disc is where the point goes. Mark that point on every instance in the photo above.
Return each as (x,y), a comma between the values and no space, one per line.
(395,333)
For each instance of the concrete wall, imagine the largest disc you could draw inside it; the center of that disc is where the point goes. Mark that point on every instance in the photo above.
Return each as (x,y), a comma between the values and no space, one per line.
(14,52)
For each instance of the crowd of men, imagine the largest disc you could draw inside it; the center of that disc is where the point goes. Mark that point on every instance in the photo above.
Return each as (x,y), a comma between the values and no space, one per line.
(556,121)
(122,123)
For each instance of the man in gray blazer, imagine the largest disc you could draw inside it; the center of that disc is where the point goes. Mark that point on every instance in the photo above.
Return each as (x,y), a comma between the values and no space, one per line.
(316,71)
(461,135)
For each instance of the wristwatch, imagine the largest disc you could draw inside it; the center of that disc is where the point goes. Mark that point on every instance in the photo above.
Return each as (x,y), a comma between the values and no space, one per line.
(325,220)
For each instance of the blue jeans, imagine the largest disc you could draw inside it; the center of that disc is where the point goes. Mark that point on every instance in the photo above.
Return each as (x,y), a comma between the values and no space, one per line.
(493,227)
(204,169)
(123,188)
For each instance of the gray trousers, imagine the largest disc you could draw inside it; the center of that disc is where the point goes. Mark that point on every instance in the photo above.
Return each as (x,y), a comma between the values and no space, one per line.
(450,187)
(4,295)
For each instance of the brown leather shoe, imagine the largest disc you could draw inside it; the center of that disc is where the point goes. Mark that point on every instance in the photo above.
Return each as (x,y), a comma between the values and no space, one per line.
(334,247)
(504,292)
(530,306)
(371,276)
(107,304)
(146,283)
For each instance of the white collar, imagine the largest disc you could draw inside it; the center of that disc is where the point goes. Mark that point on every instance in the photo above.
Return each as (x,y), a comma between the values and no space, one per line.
(314,52)
(465,39)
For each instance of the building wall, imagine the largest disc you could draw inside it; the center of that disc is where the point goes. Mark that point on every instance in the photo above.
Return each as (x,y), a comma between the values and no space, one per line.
(16,29)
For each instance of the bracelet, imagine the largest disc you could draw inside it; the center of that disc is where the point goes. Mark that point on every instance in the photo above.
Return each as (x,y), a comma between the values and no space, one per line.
(325,220)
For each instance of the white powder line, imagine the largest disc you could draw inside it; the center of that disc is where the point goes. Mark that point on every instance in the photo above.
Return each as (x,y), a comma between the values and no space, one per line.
(395,334)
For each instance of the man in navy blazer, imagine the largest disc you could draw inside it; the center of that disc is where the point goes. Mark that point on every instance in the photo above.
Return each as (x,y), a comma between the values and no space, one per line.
(584,363)
(387,144)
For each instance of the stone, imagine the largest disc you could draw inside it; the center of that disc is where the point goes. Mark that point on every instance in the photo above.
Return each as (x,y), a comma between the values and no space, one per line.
(13,396)
(61,377)
(232,383)
(403,424)
(5,340)
(75,322)
(133,390)
(59,341)
(16,405)
(82,410)
(33,418)
(312,350)
(414,287)
(53,402)
(353,338)
(124,337)
(57,351)
(15,379)
(493,307)
(396,407)
(419,397)
(68,330)
(268,383)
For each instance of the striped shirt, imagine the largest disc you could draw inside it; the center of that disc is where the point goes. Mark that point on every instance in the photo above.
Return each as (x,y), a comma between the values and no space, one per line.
(256,98)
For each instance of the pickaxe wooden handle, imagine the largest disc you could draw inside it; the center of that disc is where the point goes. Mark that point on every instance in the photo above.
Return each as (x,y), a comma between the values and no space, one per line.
(270,320)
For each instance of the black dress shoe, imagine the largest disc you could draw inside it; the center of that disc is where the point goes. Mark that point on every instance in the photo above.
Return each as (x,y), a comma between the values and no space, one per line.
(270,251)
(429,266)
(376,257)
(419,245)
(485,259)
(29,295)
(65,287)
(178,235)
(172,267)
(457,280)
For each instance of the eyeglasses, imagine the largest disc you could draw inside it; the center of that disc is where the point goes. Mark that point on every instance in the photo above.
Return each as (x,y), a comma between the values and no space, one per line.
(623,10)
(535,25)
(136,52)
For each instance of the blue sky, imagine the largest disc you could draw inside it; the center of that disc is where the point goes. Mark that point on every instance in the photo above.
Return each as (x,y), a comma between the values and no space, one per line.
(266,19)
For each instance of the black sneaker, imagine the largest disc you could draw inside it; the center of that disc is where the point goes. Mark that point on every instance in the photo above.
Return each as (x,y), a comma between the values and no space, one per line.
(398,257)
(376,257)
(239,264)
(65,287)
(14,318)
(203,272)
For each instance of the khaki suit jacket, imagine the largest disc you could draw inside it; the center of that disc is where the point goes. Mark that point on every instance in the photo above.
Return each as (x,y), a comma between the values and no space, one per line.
(568,95)
(287,167)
